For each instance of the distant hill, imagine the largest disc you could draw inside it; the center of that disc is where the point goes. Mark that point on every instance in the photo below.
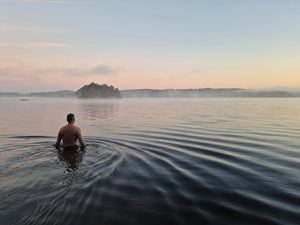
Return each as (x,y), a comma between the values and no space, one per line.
(10,94)
(64,94)
(94,90)
(281,88)
(204,93)
(54,94)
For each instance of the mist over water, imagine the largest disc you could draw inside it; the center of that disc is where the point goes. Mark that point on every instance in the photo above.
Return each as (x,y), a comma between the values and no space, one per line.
(151,161)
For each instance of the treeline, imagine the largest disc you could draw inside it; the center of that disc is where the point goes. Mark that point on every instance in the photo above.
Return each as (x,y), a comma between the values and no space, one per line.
(206,93)
(94,90)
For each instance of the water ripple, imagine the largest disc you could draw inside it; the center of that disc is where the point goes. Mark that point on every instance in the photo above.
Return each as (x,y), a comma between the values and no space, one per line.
(187,171)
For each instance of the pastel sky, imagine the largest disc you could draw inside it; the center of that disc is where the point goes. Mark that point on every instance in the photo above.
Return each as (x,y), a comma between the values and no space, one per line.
(50,45)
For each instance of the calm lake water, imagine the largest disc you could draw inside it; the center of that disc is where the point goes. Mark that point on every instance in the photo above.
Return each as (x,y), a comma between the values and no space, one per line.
(151,161)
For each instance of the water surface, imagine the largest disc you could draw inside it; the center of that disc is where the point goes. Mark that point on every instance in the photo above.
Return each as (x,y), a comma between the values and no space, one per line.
(151,161)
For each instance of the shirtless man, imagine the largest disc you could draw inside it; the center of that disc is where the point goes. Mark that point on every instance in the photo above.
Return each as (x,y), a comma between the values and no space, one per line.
(70,134)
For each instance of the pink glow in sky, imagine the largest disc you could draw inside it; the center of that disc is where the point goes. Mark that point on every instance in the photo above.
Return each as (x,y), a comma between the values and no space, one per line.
(54,45)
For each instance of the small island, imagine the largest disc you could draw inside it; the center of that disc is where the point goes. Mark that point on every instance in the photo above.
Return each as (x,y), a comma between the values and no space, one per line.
(94,90)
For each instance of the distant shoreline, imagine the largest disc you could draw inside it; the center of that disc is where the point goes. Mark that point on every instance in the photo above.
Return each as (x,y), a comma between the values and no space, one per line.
(173,93)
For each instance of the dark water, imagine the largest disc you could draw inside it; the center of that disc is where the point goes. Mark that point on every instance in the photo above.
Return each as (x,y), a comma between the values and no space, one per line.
(152,161)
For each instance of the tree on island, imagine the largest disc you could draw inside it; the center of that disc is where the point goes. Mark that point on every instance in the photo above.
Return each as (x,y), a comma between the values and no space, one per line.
(94,90)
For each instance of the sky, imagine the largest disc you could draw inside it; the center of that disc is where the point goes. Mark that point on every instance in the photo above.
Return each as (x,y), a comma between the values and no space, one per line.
(48,45)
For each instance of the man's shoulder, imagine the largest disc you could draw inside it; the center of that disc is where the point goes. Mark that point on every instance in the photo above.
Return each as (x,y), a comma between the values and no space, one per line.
(68,128)
(63,128)
(77,128)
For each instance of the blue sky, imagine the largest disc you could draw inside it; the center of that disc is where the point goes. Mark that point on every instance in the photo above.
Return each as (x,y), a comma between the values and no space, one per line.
(50,45)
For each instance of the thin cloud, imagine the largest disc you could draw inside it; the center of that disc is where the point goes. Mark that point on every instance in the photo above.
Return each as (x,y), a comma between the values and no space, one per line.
(16,75)
(53,2)
(5,27)
(45,1)
(17,69)
(19,75)
(47,45)
(36,45)
(100,70)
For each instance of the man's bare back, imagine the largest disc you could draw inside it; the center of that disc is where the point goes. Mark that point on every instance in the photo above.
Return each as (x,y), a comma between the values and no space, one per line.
(70,134)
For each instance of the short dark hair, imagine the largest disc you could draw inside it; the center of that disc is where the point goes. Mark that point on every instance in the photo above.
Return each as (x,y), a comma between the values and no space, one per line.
(70,117)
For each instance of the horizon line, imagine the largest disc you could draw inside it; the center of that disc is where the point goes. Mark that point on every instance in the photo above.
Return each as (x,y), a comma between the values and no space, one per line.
(158,89)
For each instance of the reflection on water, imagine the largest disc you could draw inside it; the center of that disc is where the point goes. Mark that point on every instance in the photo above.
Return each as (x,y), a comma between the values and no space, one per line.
(95,110)
(72,157)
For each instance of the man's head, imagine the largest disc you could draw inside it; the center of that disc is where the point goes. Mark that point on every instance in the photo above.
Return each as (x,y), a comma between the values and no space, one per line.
(71,118)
